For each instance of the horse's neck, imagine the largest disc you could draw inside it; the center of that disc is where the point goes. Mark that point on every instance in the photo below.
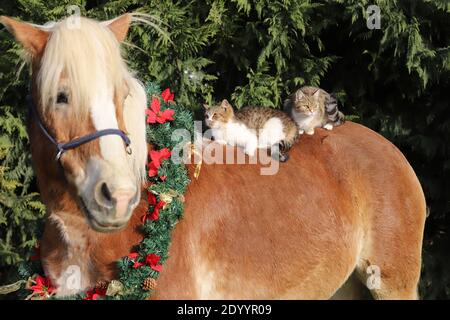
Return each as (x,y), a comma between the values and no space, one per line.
(68,241)
(69,246)
(64,216)
(65,245)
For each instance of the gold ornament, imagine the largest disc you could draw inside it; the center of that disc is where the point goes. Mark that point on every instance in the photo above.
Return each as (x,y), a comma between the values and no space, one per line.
(168,196)
(115,287)
(11,287)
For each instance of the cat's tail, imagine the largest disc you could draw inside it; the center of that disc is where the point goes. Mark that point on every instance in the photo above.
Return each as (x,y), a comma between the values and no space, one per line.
(335,116)
(340,119)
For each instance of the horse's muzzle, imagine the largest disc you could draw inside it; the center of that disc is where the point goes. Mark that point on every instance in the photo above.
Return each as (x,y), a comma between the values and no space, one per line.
(111,209)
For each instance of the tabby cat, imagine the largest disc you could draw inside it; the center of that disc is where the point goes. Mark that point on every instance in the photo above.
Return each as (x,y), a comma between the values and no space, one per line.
(252,128)
(311,108)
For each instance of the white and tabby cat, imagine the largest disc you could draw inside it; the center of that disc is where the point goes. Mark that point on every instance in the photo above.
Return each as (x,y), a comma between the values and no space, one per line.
(252,128)
(311,108)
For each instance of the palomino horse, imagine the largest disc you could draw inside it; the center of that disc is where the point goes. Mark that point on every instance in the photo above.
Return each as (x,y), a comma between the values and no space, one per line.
(346,200)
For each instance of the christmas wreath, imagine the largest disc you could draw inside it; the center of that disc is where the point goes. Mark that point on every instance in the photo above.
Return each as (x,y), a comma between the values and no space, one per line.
(139,270)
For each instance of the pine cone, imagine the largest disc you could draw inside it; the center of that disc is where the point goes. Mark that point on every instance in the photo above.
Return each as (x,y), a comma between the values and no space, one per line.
(149,284)
(102,285)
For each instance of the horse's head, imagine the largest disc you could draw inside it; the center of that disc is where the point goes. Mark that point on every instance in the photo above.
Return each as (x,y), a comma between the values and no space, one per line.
(81,85)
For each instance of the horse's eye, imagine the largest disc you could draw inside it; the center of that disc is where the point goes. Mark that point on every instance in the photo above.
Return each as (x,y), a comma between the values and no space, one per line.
(62,98)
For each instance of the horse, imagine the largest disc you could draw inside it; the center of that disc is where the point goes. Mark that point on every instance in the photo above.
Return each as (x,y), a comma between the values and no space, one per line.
(346,202)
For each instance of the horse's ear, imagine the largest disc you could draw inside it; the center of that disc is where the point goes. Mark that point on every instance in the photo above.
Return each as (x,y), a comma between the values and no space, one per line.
(119,26)
(31,37)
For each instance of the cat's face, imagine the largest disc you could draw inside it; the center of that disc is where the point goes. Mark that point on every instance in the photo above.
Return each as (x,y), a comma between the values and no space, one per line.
(217,116)
(307,101)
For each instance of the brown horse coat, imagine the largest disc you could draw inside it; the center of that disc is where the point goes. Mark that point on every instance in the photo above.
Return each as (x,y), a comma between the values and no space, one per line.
(345,200)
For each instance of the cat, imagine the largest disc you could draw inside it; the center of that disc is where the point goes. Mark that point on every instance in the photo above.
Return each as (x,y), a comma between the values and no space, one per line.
(313,107)
(252,128)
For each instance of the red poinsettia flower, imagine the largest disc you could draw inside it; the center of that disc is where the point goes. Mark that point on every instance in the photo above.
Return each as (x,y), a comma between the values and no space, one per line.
(156,158)
(95,293)
(167,96)
(152,260)
(152,170)
(43,286)
(155,115)
(133,255)
(138,264)
(151,198)
(154,215)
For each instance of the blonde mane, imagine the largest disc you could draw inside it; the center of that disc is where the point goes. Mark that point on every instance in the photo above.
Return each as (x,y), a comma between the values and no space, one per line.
(80,53)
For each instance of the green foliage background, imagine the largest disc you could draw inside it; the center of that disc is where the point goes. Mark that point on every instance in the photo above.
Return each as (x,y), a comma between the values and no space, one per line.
(394,80)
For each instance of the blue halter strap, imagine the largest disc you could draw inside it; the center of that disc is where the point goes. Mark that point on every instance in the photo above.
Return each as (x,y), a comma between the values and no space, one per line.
(75,143)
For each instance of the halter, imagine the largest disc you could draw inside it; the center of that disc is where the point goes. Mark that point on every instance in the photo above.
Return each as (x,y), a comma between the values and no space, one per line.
(61,148)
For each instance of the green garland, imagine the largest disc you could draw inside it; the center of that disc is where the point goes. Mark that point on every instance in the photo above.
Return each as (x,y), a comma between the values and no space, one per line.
(167,187)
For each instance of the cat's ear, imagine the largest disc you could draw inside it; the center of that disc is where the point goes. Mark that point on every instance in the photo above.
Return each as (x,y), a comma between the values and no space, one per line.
(32,38)
(316,94)
(299,94)
(225,104)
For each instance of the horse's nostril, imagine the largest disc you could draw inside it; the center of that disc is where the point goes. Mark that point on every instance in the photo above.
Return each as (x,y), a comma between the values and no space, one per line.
(106,193)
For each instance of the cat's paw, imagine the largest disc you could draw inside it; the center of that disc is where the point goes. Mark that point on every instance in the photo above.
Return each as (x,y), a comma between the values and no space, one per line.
(328,126)
(283,157)
(310,132)
(301,131)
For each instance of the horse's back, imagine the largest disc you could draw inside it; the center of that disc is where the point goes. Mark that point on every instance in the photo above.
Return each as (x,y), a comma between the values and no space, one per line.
(342,194)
